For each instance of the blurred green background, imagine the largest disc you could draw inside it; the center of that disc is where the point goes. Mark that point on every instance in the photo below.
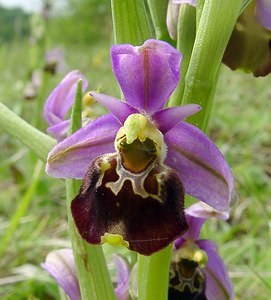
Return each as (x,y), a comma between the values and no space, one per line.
(81,30)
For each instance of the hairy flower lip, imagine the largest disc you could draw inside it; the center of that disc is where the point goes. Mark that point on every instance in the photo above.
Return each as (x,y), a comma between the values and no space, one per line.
(119,213)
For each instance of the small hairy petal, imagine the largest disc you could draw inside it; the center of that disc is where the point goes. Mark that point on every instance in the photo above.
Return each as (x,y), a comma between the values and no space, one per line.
(71,157)
(60,264)
(218,284)
(200,165)
(122,288)
(62,97)
(263,8)
(97,210)
(121,110)
(166,118)
(147,74)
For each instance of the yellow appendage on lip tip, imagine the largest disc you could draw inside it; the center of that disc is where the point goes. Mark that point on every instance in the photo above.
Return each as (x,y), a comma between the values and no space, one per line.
(114,240)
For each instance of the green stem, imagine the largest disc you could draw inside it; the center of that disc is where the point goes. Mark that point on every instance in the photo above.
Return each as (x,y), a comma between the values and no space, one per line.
(158,10)
(153,275)
(92,273)
(186,33)
(130,22)
(34,139)
(22,207)
(93,276)
(215,27)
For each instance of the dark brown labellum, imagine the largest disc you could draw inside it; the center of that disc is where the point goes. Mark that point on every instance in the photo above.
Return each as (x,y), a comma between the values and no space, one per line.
(146,209)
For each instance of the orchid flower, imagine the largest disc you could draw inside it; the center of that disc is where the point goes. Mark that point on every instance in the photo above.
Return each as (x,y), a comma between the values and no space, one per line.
(197,271)
(60,264)
(139,160)
(54,61)
(60,101)
(249,45)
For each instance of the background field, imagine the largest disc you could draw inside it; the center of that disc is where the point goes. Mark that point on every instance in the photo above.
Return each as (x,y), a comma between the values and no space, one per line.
(240,125)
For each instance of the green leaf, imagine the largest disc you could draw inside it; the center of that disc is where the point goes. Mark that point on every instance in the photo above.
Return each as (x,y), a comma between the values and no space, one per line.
(153,275)
(130,22)
(34,139)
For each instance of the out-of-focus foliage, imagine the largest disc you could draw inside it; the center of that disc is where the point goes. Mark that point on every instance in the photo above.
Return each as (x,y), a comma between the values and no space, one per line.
(14,23)
(83,21)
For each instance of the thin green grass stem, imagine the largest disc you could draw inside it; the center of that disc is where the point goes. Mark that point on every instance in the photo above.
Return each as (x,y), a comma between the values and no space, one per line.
(92,272)
(22,207)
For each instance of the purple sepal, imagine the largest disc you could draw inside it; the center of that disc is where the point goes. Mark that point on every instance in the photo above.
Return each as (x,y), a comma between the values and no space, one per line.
(263,9)
(71,157)
(122,288)
(60,130)
(60,264)
(200,165)
(147,74)
(62,97)
(218,284)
